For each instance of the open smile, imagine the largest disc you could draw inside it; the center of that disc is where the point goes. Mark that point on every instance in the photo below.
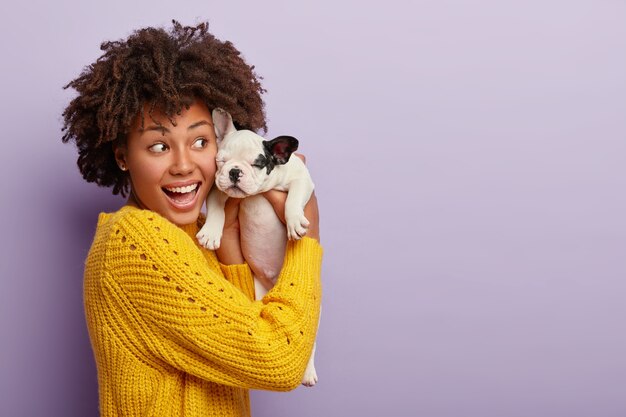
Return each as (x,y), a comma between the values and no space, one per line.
(182,197)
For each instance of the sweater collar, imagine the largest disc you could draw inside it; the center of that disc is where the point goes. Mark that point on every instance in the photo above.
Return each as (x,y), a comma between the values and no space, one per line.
(190,229)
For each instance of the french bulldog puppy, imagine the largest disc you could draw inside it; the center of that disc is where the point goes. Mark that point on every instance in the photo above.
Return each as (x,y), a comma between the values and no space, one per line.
(248,165)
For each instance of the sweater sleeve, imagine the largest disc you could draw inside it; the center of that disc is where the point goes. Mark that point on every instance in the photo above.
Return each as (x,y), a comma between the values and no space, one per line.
(195,320)
(240,276)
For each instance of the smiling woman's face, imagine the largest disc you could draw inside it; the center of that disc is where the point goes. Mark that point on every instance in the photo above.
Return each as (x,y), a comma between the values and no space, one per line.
(171,167)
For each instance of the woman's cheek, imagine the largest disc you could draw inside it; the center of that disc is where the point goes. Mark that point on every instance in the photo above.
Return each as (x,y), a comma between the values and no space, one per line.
(209,174)
(213,163)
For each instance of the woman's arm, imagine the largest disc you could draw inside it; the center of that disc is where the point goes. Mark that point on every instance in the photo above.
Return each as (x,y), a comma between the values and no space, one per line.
(229,252)
(190,317)
(311,211)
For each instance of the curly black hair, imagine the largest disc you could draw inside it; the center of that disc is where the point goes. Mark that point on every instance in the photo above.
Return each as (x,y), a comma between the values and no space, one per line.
(167,70)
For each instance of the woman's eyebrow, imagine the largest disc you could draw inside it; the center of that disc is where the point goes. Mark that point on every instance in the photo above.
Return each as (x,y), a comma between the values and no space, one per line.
(164,129)
(200,123)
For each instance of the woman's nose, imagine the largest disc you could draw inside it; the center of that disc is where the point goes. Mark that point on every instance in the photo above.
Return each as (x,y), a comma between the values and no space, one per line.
(182,163)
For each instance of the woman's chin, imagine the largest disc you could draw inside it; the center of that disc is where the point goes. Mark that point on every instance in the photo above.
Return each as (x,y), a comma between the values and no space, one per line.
(181,219)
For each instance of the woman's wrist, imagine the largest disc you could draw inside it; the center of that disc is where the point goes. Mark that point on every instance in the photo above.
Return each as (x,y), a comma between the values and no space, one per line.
(229,252)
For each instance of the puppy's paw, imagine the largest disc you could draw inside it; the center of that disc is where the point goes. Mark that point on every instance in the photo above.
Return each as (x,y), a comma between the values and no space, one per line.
(310,376)
(296,226)
(208,238)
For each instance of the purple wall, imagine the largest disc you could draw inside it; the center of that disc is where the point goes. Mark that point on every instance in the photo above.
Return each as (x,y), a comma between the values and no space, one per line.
(470,159)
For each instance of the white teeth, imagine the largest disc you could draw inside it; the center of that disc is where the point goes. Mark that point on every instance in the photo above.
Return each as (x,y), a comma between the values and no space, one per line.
(182,190)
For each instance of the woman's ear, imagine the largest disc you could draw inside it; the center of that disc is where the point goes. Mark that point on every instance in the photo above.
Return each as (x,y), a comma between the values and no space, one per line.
(120,156)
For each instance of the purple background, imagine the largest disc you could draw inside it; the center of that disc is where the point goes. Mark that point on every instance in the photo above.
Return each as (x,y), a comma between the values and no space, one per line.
(470,164)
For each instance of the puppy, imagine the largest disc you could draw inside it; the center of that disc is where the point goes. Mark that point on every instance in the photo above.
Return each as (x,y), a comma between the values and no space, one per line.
(248,165)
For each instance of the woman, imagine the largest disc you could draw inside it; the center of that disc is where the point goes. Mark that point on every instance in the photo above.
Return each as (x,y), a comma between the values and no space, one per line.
(173,327)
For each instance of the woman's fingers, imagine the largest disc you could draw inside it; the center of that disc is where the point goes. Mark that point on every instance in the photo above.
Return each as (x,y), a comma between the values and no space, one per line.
(302,157)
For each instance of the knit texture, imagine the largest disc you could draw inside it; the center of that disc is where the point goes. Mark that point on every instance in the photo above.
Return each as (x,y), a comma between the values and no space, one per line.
(175,333)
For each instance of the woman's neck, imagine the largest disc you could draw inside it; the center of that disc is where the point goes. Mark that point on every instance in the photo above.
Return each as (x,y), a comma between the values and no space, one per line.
(134,201)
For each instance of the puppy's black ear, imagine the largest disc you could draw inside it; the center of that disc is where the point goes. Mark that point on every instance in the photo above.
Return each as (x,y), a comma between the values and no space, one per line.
(281,148)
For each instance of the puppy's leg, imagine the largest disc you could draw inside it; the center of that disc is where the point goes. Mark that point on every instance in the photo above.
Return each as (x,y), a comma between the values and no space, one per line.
(300,191)
(259,289)
(310,374)
(210,235)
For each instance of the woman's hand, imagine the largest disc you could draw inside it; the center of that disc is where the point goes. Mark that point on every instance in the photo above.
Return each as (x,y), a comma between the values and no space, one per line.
(229,252)
(311,211)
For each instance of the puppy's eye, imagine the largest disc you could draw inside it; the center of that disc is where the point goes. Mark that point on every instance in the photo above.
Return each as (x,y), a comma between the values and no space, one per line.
(158,148)
(260,162)
(200,143)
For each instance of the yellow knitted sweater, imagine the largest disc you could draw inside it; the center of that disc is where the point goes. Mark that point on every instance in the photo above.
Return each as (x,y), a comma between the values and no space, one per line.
(175,333)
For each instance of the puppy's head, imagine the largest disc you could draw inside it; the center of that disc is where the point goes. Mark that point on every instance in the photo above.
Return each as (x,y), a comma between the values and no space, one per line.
(245,160)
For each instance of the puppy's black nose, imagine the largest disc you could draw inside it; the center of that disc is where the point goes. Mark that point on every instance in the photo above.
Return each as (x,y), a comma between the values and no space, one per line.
(234,175)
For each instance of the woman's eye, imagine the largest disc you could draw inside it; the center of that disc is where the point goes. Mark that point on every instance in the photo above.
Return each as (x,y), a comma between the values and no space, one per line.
(158,148)
(200,143)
